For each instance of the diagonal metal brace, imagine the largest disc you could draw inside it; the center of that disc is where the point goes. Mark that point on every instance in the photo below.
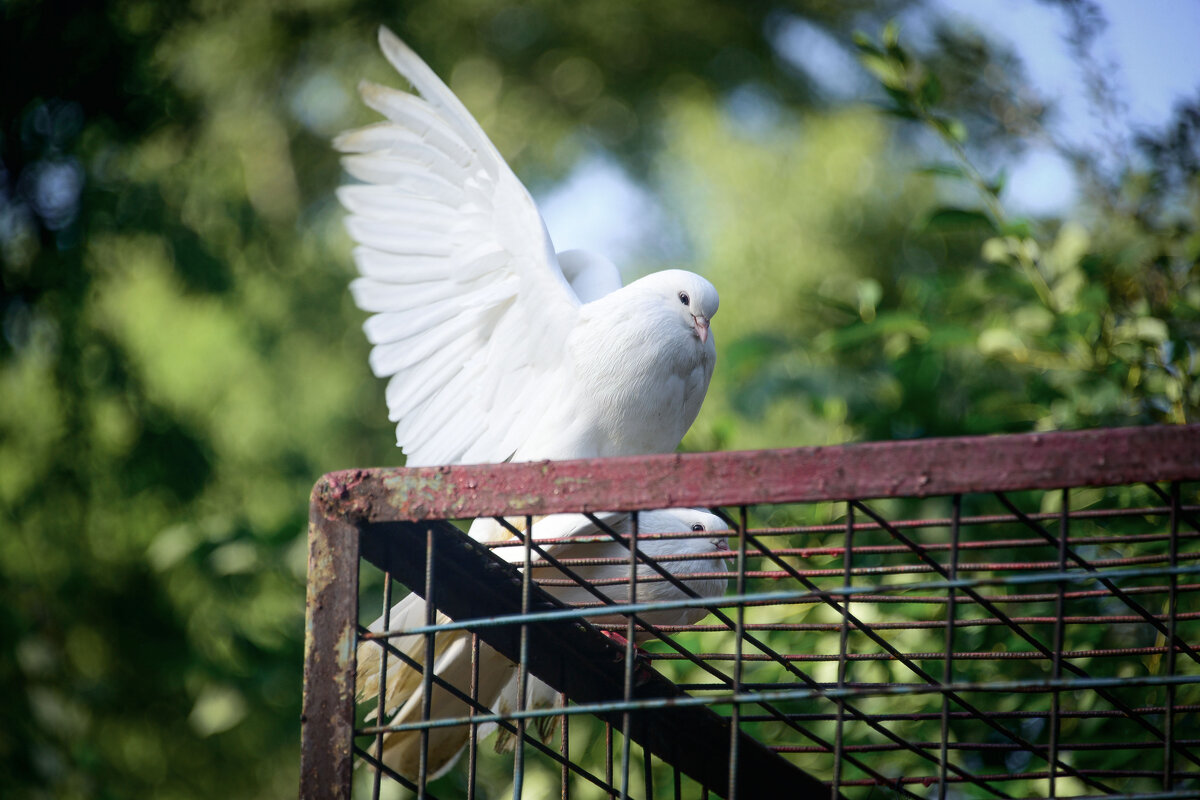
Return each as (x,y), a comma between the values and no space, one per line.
(471,582)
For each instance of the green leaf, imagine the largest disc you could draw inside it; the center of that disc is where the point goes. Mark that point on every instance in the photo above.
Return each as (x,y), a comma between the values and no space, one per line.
(931,90)
(903,99)
(948,219)
(864,43)
(891,43)
(997,250)
(889,73)
(996,186)
(1000,341)
(944,170)
(952,128)
(891,34)
(869,292)
(902,113)
(1151,329)
(1019,227)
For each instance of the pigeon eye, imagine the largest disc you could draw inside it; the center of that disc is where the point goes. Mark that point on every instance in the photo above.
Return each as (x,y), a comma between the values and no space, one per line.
(697,527)
(683,298)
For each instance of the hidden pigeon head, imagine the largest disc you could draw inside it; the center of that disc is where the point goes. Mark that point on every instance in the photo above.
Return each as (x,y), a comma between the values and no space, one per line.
(678,520)
(692,298)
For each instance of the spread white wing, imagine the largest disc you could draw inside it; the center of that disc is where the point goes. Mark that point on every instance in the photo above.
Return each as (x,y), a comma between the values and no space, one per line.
(471,312)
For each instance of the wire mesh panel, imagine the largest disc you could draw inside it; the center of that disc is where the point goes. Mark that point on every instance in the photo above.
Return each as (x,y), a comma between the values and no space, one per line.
(1007,616)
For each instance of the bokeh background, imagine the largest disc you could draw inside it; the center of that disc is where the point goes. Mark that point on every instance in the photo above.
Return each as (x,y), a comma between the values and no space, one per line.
(980,218)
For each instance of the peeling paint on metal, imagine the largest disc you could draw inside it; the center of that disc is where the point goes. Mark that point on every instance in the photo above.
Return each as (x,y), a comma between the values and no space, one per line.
(320,568)
(813,474)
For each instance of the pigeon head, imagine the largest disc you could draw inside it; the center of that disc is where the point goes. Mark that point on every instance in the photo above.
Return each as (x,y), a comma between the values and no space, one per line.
(676,520)
(689,297)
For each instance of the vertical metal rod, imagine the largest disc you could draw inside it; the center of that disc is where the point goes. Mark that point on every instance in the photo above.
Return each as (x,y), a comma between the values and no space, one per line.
(1172,599)
(427,673)
(473,741)
(1059,637)
(630,655)
(608,759)
(523,664)
(735,713)
(564,746)
(1064,523)
(948,664)
(380,708)
(647,773)
(847,561)
(678,784)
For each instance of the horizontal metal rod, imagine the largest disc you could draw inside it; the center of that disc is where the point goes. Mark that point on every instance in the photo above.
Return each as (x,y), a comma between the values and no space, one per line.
(837,551)
(849,691)
(976,519)
(1007,747)
(732,601)
(918,624)
(931,780)
(1039,597)
(894,569)
(926,716)
(968,655)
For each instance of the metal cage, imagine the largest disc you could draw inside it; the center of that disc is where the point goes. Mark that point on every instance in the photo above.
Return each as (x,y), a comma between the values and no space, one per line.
(1005,616)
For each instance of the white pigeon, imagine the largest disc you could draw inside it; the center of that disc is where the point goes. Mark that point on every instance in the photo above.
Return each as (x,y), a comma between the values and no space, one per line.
(497,687)
(496,347)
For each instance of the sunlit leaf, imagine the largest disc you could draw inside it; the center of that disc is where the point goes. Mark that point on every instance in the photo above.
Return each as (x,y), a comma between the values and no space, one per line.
(1019,227)
(1151,329)
(952,128)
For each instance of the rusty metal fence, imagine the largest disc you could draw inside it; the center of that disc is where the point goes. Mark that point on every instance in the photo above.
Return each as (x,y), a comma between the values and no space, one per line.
(1007,616)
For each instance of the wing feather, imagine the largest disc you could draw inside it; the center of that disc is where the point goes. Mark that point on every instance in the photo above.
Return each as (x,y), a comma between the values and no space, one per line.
(404,177)
(470,309)
(374,295)
(389,357)
(383,202)
(400,239)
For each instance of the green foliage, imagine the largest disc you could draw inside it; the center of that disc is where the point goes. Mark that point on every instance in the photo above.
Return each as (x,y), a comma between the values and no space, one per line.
(1104,323)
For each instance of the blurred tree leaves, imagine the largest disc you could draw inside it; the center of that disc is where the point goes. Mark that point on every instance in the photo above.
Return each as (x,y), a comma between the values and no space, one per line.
(180,359)
(1107,335)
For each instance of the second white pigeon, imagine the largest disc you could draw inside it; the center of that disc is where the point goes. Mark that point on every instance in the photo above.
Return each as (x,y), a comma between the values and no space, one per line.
(496,687)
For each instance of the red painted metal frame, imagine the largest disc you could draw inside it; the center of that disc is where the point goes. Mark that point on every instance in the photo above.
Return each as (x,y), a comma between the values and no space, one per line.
(345,503)
(918,468)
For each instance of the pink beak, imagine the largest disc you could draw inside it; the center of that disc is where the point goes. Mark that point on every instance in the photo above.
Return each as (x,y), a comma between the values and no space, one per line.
(700,326)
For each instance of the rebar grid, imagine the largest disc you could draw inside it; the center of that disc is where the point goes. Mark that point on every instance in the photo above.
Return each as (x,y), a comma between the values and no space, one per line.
(1011,638)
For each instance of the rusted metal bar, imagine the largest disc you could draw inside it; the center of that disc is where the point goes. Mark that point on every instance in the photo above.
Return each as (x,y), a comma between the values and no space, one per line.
(331,614)
(967,522)
(575,659)
(919,468)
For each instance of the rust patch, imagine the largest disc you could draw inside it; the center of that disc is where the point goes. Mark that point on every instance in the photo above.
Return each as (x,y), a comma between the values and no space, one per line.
(321,571)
